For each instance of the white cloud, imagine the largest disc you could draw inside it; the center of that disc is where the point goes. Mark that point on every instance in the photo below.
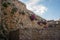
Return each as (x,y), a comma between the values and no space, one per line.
(33,2)
(35,7)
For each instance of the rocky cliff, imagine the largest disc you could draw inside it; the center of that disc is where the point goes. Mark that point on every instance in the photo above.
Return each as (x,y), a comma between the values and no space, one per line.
(19,23)
(14,15)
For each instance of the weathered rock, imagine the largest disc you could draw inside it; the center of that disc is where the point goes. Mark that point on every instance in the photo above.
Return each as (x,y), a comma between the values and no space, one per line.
(13,16)
(15,23)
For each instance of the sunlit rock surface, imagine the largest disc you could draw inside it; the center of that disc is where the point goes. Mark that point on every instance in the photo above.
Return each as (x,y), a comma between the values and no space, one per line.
(15,23)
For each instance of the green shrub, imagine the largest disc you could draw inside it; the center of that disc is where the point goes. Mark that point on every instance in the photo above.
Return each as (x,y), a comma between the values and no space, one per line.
(5,5)
(8,3)
(23,13)
(14,10)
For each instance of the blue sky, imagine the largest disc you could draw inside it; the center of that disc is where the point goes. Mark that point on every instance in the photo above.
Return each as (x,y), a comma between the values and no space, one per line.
(47,9)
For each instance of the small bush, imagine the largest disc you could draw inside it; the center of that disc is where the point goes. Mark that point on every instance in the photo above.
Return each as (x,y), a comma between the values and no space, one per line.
(32,17)
(14,10)
(23,13)
(44,23)
(5,5)
(38,22)
(8,3)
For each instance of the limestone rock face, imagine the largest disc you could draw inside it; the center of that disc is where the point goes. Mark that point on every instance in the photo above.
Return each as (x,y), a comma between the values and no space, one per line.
(13,16)
(16,23)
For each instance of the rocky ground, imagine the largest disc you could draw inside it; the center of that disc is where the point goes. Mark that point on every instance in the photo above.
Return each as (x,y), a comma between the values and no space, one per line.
(52,33)
(19,23)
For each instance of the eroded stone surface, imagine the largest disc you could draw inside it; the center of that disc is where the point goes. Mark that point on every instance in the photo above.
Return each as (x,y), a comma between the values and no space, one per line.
(15,23)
